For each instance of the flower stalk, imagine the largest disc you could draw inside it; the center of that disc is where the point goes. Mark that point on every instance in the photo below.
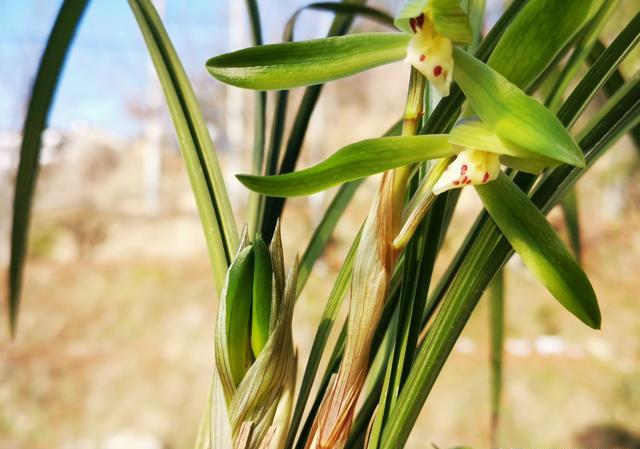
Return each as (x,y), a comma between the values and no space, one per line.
(372,271)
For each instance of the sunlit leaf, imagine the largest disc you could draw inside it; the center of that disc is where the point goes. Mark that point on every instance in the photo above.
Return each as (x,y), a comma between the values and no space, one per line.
(195,143)
(354,161)
(316,61)
(540,248)
(496,330)
(536,36)
(511,114)
(44,88)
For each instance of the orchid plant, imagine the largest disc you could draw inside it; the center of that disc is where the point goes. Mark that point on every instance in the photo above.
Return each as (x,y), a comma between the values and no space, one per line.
(471,118)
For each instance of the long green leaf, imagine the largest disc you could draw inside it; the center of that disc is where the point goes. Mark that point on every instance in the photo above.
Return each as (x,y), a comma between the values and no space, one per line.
(496,331)
(338,8)
(316,61)
(512,114)
(604,67)
(613,84)
(44,88)
(536,36)
(587,39)
(354,161)
(569,205)
(195,143)
(260,118)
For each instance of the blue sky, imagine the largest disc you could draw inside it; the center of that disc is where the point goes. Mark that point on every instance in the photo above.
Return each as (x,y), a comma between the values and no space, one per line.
(106,72)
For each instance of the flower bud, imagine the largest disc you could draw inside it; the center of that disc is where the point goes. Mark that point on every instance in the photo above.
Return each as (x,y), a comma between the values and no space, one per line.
(254,355)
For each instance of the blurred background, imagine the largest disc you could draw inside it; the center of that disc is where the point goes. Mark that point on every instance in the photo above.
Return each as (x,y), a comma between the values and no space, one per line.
(114,348)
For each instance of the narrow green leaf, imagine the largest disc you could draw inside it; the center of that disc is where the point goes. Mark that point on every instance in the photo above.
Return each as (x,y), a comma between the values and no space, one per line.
(44,87)
(262,295)
(449,18)
(316,61)
(354,161)
(604,67)
(539,32)
(540,248)
(338,8)
(323,231)
(582,49)
(612,85)
(496,330)
(194,140)
(569,206)
(260,118)
(512,114)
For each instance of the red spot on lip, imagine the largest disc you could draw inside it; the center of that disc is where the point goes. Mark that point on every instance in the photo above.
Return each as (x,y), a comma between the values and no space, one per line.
(456,182)
(464,180)
(437,70)
(463,169)
(485,178)
(422,57)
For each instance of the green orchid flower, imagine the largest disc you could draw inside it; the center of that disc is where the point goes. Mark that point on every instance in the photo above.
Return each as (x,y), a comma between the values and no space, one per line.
(434,26)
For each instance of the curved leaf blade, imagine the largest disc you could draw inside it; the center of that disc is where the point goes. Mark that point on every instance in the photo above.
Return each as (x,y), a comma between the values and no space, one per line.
(195,143)
(352,162)
(44,87)
(315,61)
(338,8)
(540,248)
(536,36)
(512,114)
